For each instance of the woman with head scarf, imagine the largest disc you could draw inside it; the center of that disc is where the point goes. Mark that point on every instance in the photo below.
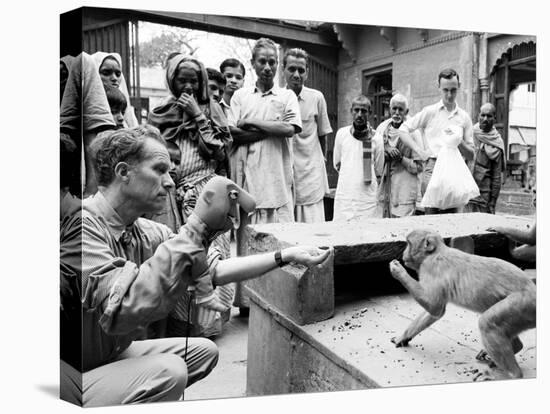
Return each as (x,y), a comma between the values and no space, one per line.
(65,64)
(110,71)
(194,121)
(84,112)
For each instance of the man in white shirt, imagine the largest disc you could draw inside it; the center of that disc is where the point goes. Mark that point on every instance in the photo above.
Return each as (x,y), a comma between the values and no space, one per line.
(263,118)
(434,120)
(310,174)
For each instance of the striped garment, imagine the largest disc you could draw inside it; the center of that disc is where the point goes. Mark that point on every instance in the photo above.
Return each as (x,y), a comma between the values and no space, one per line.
(218,250)
(193,166)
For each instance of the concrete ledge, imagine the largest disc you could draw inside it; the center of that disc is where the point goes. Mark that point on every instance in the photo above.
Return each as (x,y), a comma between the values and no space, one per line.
(295,361)
(375,240)
(353,350)
(305,295)
(296,346)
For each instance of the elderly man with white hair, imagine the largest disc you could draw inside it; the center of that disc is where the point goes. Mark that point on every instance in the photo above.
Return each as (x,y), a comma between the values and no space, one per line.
(396,164)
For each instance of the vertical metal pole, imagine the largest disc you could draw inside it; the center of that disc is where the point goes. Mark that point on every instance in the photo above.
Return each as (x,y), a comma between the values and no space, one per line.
(475,98)
(506,105)
(136,83)
(136,53)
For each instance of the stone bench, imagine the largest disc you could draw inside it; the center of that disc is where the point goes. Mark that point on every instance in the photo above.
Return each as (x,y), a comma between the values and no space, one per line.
(329,328)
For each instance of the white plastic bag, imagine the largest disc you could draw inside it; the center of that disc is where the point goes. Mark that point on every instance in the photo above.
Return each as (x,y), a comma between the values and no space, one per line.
(452,184)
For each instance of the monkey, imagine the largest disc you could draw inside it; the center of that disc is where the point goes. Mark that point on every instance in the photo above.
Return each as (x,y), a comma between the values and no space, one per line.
(501,292)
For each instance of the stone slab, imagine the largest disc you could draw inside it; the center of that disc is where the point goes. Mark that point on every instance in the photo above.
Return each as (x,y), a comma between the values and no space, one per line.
(382,239)
(354,350)
(360,334)
(303,294)
(280,362)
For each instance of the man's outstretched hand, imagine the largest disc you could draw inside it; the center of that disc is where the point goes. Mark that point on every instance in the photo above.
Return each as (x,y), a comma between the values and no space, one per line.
(305,255)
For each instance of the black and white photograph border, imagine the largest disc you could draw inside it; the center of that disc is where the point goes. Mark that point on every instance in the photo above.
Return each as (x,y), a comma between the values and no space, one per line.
(31,382)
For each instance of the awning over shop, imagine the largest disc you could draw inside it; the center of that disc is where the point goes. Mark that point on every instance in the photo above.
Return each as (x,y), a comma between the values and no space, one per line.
(521,138)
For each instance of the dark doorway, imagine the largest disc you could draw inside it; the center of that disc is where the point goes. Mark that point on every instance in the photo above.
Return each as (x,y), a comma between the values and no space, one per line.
(377,86)
(515,67)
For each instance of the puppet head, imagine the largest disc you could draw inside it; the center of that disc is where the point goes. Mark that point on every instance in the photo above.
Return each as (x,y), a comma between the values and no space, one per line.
(218,204)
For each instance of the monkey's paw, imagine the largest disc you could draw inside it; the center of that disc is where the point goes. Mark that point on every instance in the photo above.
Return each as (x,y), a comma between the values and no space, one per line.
(484,376)
(397,270)
(484,357)
(399,342)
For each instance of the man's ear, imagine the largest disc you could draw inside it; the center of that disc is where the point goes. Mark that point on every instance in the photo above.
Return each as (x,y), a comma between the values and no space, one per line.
(406,111)
(208,195)
(122,170)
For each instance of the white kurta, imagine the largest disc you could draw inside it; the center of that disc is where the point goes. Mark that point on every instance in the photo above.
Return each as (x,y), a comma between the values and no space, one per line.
(310,174)
(354,199)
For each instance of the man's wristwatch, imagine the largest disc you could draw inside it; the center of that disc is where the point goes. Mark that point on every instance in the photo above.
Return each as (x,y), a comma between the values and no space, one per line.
(279,259)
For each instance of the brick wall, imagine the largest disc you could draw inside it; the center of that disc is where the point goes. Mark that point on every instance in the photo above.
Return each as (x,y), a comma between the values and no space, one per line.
(414,72)
(518,203)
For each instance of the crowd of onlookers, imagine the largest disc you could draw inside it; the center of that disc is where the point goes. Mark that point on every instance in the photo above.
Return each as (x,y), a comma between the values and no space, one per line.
(271,142)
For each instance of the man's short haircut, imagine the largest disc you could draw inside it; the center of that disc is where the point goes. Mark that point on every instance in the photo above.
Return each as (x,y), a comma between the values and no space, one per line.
(124,145)
(263,42)
(447,74)
(297,53)
(214,75)
(361,100)
(232,63)
(116,99)
(398,97)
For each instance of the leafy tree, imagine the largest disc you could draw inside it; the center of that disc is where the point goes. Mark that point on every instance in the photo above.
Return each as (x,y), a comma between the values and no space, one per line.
(155,51)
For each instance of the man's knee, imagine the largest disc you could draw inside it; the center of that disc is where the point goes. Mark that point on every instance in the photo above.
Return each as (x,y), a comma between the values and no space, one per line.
(174,369)
(210,350)
(201,359)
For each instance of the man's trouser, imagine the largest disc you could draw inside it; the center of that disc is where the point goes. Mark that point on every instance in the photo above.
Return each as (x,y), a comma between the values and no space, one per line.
(148,371)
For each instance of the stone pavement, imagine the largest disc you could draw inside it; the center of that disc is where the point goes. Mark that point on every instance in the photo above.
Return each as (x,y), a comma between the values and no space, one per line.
(228,379)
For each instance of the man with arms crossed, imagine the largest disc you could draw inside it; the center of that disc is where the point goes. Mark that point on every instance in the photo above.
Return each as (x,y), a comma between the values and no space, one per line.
(263,118)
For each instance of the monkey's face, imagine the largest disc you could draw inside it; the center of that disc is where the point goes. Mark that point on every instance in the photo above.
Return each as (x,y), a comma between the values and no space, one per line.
(420,245)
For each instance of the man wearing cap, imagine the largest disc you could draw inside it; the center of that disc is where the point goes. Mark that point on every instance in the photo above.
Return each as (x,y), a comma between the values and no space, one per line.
(121,272)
